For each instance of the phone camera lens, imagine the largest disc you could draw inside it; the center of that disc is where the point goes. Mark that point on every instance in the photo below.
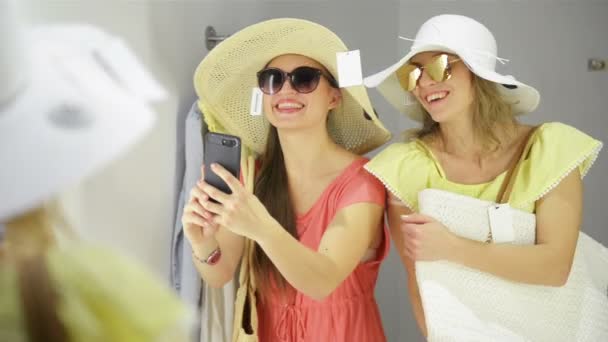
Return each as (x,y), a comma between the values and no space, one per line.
(227,142)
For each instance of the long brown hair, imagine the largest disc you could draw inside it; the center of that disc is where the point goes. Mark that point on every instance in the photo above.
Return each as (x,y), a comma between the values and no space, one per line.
(272,189)
(28,237)
(491,113)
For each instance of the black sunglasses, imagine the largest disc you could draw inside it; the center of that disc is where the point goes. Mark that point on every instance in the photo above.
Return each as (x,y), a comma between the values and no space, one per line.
(303,79)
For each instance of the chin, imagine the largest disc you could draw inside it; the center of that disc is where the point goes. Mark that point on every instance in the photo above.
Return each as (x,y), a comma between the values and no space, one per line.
(289,125)
(286,125)
(291,122)
(440,116)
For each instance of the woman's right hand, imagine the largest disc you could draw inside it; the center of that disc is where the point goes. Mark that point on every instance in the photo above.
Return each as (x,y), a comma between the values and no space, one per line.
(205,237)
(196,221)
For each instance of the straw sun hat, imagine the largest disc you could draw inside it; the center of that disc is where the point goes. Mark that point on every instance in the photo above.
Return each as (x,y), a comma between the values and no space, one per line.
(225,78)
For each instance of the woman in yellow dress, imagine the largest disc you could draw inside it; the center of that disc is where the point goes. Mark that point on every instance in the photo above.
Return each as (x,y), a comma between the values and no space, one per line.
(469,140)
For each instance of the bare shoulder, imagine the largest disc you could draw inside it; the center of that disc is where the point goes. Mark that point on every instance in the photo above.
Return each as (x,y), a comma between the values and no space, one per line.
(343,158)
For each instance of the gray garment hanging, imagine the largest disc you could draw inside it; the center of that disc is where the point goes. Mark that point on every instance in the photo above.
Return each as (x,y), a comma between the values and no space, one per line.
(216,306)
(184,276)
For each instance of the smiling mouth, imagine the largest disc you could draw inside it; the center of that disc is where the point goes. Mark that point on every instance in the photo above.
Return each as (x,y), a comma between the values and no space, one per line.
(288,107)
(436,97)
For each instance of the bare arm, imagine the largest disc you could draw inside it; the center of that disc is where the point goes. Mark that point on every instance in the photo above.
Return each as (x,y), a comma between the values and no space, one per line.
(314,273)
(318,273)
(205,238)
(548,262)
(395,209)
(220,274)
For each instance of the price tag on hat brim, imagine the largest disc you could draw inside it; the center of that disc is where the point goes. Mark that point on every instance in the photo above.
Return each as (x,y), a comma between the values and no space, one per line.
(257,100)
(349,68)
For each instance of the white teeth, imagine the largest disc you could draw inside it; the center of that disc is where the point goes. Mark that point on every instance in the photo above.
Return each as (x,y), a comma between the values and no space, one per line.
(289,105)
(436,96)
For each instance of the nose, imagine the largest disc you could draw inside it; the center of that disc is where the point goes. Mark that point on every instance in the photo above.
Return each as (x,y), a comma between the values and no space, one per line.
(287,87)
(425,80)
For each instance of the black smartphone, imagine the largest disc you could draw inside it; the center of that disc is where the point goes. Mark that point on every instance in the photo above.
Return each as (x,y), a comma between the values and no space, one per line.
(225,150)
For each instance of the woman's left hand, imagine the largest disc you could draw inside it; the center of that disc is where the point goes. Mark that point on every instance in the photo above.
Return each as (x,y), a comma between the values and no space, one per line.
(240,212)
(426,239)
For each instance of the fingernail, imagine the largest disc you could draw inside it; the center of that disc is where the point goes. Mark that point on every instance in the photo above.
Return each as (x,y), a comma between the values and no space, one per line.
(403,217)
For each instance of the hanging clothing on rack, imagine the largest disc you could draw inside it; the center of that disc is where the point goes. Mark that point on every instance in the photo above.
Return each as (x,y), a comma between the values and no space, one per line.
(216,306)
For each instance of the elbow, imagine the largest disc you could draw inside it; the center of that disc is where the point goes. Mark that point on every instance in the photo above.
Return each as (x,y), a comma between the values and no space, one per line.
(321,293)
(318,297)
(560,278)
(560,274)
(556,281)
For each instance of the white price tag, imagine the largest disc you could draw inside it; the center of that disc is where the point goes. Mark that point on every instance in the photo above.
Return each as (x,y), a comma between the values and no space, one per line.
(349,68)
(257,100)
(501,223)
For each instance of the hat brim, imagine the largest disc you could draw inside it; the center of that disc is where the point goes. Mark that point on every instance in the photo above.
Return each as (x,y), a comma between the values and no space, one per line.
(71,120)
(226,76)
(522,97)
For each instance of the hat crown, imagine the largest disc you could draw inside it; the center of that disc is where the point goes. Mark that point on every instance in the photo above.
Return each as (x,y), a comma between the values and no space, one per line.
(462,35)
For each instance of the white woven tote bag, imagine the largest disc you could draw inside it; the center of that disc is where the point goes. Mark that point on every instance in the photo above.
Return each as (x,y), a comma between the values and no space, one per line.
(464,304)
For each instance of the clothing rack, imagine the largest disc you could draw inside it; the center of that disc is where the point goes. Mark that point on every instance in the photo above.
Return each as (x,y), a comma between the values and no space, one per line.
(596,64)
(211,38)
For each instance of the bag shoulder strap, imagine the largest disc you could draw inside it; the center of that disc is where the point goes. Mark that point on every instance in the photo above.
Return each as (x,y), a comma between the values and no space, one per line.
(505,192)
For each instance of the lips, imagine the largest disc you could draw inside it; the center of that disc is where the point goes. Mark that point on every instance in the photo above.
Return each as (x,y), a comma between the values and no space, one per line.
(436,96)
(288,106)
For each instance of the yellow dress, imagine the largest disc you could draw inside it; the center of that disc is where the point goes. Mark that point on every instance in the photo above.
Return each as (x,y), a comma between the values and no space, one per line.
(557,149)
(103,297)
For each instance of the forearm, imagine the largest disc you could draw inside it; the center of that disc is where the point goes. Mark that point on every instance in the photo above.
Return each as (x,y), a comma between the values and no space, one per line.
(309,271)
(223,271)
(414,294)
(539,264)
(395,210)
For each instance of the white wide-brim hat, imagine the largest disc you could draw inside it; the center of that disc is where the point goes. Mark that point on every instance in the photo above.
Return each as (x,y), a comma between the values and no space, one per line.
(226,76)
(476,47)
(83,104)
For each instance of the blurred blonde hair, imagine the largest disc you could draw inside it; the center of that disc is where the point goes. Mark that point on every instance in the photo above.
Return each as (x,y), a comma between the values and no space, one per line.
(28,238)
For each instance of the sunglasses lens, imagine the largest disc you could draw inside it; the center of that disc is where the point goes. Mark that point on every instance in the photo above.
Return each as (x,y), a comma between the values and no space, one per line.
(408,76)
(437,68)
(270,81)
(305,80)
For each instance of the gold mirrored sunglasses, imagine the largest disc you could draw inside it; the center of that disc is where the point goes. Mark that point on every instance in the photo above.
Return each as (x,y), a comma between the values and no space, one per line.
(438,69)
